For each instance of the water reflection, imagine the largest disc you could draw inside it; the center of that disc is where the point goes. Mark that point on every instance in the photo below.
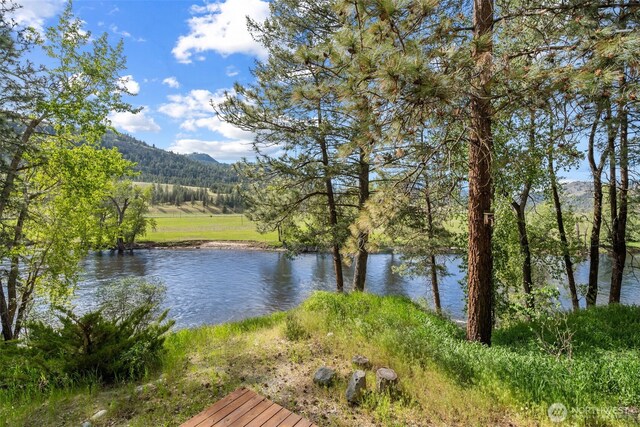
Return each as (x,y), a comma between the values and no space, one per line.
(214,286)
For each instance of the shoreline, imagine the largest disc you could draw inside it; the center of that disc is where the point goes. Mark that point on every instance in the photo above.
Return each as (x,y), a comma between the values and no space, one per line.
(249,245)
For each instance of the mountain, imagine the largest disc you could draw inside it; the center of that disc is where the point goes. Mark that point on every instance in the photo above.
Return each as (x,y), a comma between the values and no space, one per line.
(202,157)
(165,167)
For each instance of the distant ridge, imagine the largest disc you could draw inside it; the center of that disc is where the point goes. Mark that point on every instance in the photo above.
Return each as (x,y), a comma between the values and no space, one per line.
(164,167)
(202,157)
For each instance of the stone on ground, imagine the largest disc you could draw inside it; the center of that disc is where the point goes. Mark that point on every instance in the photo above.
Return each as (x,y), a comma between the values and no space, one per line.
(361,362)
(386,379)
(356,387)
(99,414)
(324,376)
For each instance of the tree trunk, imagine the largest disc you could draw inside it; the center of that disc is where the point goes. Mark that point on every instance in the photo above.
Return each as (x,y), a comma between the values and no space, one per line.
(594,245)
(619,218)
(480,260)
(525,250)
(9,302)
(362,238)
(331,203)
(432,256)
(568,263)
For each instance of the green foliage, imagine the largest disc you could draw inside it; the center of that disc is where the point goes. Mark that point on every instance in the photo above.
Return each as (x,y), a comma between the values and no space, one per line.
(51,183)
(123,339)
(123,216)
(93,345)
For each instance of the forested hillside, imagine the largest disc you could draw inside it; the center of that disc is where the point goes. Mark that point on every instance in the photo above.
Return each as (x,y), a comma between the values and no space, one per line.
(160,166)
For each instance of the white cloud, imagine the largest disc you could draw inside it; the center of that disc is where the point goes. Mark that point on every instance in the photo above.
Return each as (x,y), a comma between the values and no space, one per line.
(34,13)
(229,151)
(195,104)
(133,123)
(117,31)
(222,27)
(195,112)
(171,82)
(231,71)
(127,82)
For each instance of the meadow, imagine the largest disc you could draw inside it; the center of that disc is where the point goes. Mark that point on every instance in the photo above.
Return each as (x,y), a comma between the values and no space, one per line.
(190,224)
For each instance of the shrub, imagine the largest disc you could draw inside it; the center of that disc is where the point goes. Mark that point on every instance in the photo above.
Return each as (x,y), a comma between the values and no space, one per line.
(93,345)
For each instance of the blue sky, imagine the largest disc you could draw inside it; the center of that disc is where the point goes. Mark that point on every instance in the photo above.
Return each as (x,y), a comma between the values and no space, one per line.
(181,54)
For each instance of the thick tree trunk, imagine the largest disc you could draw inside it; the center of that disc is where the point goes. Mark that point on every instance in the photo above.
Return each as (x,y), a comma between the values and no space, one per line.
(568,263)
(619,215)
(480,260)
(120,247)
(362,238)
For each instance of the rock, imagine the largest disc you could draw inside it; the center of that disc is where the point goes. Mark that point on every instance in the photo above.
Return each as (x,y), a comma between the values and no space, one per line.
(357,384)
(99,414)
(324,376)
(86,424)
(146,387)
(386,379)
(361,362)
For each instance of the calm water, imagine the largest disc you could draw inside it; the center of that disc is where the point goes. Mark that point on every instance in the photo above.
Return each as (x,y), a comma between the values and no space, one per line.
(206,286)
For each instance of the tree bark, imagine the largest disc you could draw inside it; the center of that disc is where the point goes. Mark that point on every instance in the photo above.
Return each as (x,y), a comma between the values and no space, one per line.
(568,263)
(9,302)
(594,245)
(362,238)
(432,256)
(519,208)
(331,203)
(480,259)
(619,215)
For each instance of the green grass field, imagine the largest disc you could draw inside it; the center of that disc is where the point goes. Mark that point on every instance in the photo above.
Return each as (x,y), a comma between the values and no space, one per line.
(181,226)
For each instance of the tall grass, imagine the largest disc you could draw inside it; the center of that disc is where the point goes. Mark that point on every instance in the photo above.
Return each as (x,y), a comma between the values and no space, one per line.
(601,371)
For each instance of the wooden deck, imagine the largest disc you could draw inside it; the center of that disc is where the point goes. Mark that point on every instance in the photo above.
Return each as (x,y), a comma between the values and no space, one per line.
(245,408)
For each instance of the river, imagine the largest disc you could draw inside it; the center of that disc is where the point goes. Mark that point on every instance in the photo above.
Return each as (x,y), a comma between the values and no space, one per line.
(209,286)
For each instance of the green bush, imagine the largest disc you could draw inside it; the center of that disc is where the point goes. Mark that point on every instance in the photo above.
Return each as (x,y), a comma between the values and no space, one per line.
(123,339)
(92,345)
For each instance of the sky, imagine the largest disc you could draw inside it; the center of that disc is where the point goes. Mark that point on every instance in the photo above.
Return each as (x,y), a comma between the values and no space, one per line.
(181,55)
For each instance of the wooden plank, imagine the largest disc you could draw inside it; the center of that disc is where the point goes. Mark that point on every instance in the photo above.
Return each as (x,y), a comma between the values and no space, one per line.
(265,416)
(245,408)
(253,413)
(277,418)
(290,421)
(214,408)
(230,419)
(222,413)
